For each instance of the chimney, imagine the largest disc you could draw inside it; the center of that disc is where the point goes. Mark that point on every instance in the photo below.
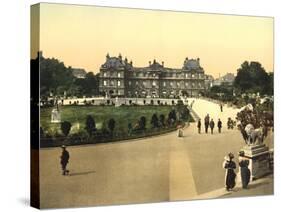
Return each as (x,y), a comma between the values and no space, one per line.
(163,63)
(149,63)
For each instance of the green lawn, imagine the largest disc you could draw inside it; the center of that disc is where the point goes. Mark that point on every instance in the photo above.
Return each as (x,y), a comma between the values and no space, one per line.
(123,115)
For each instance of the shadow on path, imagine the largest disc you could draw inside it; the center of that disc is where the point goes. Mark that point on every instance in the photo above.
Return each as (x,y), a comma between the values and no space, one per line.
(81,173)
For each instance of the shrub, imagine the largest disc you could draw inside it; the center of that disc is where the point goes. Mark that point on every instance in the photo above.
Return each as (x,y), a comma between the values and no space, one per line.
(65,127)
(90,125)
(154,121)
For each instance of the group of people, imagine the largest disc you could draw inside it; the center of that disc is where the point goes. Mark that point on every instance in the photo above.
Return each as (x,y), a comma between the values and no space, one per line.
(230,176)
(209,122)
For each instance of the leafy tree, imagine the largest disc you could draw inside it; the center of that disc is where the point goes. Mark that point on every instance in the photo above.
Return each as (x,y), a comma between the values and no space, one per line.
(142,123)
(54,74)
(184,114)
(154,121)
(270,85)
(111,125)
(252,77)
(65,127)
(90,125)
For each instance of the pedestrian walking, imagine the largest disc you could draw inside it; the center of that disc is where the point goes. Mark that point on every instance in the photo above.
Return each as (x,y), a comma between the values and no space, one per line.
(212,125)
(244,170)
(221,107)
(229,166)
(64,158)
(219,125)
(207,122)
(199,126)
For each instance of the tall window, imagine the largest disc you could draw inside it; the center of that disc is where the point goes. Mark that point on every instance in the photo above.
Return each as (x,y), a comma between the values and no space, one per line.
(118,74)
(104,74)
(153,83)
(104,83)
(164,84)
(118,83)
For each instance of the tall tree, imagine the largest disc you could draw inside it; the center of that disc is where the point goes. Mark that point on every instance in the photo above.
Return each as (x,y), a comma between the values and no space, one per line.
(252,77)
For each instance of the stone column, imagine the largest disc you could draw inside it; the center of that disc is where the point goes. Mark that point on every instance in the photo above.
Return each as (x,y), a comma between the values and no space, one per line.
(258,156)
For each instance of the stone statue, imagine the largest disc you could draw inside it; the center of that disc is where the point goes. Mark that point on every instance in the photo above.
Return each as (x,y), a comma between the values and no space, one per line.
(117,103)
(255,136)
(55,116)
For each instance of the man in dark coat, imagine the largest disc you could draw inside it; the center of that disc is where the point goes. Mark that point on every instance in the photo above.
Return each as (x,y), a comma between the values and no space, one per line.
(64,158)
(219,125)
(199,126)
(207,122)
(212,125)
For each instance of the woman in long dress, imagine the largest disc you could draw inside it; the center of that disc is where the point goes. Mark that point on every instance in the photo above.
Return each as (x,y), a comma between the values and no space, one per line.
(244,170)
(230,175)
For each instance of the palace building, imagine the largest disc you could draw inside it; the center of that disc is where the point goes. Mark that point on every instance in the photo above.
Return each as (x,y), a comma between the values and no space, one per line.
(118,77)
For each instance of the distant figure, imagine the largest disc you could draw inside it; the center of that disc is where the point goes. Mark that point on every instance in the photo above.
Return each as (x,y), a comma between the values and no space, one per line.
(244,170)
(207,122)
(212,125)
(230,175)
(199,126)
(230,123)
(64,158)
(219,125)
(221,107)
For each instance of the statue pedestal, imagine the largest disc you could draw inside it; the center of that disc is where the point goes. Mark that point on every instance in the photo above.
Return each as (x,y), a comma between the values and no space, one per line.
(258,156)
(55,118)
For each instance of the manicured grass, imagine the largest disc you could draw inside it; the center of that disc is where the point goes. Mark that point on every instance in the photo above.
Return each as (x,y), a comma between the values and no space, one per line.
(123,115)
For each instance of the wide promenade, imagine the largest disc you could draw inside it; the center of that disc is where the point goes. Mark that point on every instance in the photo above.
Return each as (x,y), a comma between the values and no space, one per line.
(160,168)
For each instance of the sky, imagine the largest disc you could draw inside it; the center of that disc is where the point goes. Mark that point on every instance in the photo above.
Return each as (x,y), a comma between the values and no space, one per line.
(81,36)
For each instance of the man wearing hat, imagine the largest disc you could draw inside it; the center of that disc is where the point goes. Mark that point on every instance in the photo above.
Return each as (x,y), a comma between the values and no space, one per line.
(64,158)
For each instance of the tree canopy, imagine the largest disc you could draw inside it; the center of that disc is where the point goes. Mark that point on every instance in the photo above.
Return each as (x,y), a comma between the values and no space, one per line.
(56,78)
(252,77)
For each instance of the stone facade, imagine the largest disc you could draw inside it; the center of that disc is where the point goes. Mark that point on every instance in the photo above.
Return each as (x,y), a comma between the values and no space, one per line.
(118,77)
